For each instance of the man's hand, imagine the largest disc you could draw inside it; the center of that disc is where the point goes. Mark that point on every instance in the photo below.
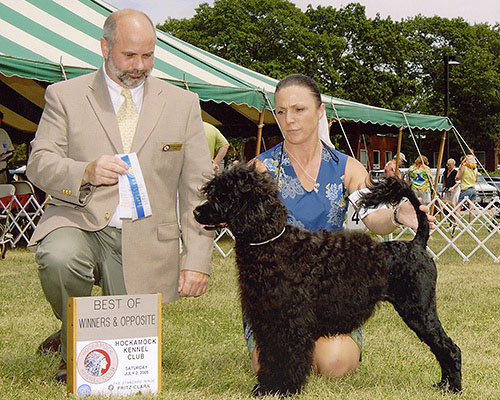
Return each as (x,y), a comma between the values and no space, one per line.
(192,283)
(104,171)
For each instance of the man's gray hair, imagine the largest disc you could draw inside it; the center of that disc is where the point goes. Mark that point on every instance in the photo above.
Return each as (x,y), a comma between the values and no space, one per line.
(109,28)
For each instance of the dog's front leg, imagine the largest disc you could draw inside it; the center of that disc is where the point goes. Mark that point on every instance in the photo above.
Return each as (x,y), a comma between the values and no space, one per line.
(285,362)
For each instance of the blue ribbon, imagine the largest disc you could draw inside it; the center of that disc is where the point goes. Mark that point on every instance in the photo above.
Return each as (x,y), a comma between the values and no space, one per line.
(135,189)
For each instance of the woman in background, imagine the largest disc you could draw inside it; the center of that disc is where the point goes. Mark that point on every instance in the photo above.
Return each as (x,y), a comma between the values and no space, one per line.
(467,173)
(451,185)
(420,177)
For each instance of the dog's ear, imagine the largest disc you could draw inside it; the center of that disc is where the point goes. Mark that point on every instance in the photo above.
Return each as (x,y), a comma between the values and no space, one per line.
(246,184)
(244,179)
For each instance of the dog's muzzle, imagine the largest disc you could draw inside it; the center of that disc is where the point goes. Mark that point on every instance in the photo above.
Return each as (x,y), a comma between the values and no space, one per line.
(202,215)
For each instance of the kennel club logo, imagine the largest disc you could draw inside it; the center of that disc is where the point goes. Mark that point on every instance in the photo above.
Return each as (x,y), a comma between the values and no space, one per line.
(97,362)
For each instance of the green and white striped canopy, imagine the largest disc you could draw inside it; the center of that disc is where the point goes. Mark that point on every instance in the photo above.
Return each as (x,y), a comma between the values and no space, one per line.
(45,41)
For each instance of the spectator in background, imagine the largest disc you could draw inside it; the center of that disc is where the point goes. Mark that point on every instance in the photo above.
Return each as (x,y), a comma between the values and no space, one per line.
(467,174)
(451,186)
(6,151)
(390,167)
(217,144)
(420,177)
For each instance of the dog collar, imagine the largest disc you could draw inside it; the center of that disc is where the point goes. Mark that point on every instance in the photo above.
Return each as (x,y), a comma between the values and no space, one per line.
(270,240)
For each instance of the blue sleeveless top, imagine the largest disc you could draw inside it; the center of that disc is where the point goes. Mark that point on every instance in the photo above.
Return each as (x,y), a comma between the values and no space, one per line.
(322,209)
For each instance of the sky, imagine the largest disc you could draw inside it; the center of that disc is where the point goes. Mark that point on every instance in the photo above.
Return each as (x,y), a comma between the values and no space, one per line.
(473,11)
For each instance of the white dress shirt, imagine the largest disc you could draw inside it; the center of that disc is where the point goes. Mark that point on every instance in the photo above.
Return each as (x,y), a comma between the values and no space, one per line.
(117,100)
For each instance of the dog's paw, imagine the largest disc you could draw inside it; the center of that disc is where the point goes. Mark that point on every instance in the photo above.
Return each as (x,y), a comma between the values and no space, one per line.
(447,386)
(258,391)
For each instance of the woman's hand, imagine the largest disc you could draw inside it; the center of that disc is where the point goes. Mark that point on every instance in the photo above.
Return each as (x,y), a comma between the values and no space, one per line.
(406,215)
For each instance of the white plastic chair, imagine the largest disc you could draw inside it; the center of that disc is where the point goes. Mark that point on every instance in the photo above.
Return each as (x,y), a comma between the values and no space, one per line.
(7,198)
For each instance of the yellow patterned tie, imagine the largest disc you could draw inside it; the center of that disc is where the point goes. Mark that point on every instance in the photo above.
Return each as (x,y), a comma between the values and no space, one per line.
(127,119)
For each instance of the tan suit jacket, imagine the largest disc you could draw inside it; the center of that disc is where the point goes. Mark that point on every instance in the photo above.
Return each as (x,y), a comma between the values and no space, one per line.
(77,126)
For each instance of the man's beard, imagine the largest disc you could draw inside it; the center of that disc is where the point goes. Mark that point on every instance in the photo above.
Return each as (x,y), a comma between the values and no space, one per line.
(124,77)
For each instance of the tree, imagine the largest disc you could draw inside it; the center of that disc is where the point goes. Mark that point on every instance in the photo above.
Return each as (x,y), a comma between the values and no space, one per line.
(348,54)
(396,65)
(474,94)
(371,66)
(267,36)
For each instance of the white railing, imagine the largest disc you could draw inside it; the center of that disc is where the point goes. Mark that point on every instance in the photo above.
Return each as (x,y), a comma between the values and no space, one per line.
(465,229)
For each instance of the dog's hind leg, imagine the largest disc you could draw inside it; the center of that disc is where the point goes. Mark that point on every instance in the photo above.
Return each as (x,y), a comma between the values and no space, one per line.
(429,330)
(285,360)
(418,310)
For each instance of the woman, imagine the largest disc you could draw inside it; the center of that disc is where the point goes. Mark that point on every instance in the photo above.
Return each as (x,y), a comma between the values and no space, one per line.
(451,186)
(315,181)
(420,177)
(467,173)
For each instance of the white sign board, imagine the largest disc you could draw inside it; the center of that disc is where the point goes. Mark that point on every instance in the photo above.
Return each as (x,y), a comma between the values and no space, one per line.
(114,345)
(353,222)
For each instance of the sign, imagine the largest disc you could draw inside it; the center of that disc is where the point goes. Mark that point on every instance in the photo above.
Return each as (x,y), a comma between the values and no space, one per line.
(114,344)
(353,222)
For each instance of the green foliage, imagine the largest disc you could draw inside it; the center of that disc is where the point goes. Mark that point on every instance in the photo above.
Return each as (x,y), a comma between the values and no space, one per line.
(381,62)
(371,67)
(20,155)
(474,94)
(236,147)
(240,31)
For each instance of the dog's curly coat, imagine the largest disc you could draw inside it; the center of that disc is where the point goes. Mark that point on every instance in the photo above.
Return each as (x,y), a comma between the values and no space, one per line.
(304,285)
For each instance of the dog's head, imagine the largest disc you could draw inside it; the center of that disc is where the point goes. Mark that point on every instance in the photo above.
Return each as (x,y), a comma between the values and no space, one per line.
(245,200)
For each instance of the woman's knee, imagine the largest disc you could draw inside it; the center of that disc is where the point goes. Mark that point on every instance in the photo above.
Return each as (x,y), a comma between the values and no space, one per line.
(332,357)
(336,357)
(336,367)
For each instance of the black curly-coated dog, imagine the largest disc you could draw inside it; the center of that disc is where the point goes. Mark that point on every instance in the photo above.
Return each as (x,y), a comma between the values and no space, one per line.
(297,286)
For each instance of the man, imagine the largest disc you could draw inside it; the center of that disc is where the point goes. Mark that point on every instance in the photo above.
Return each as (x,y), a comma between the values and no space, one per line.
(6,151)
(217,144)
(390,167)
(81,238)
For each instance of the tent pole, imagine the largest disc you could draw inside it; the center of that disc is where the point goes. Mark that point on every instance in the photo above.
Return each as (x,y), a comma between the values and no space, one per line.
(400,139)
(259,132)
(438,168)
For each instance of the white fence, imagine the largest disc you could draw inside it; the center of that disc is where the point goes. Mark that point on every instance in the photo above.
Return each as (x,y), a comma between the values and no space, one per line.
(20,212)
(465,229)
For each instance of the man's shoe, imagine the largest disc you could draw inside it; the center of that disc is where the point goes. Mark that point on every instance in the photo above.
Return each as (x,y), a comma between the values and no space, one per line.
(61,372)
(51,345)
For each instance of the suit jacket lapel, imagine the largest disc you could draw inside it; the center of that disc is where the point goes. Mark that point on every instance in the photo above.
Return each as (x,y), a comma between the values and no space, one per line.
(151,110)
(100,101)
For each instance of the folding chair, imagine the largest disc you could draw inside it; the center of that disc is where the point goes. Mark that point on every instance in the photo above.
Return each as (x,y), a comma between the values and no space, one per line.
(28,211)
(7,198)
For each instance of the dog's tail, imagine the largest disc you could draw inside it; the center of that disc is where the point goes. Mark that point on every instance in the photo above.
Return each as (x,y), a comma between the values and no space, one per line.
(391,191)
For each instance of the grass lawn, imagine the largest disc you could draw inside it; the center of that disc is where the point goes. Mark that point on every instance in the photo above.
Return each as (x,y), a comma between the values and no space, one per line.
(204,352)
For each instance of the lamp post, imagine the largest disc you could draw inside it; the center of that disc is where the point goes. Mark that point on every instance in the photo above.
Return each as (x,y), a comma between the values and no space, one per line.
(448,60)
